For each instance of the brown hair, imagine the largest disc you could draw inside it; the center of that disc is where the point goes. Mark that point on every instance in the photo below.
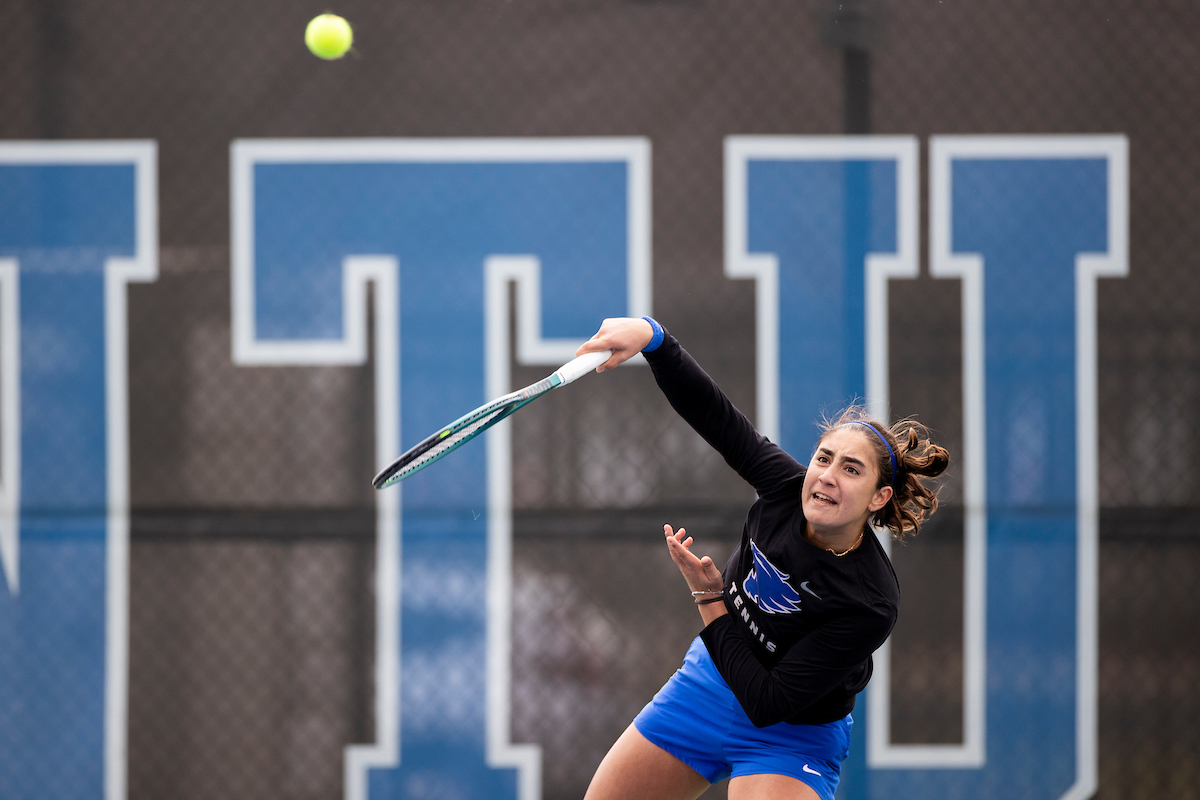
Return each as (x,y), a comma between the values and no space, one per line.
(917,458)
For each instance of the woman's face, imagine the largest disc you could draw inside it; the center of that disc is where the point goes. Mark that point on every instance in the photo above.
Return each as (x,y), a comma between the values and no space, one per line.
(840,488)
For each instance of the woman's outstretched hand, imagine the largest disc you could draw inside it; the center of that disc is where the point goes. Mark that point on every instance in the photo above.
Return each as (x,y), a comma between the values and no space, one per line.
(625,336)
(701,574)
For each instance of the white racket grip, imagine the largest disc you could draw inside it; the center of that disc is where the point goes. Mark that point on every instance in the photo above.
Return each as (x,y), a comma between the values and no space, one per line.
(577,368)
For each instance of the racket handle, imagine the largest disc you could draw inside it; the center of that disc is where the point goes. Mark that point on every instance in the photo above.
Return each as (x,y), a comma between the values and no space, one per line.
(577,368)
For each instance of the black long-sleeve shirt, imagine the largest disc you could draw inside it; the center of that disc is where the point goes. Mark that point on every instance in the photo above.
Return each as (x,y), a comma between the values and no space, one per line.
(796,645)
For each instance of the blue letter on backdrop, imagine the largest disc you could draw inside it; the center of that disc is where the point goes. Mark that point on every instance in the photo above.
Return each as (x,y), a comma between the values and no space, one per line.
(1028,224)
(820,224)
(77,222)
(441,229)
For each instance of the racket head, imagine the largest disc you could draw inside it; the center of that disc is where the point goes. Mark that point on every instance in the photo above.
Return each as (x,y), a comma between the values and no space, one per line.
(467,427)
(457,433)
(445,441)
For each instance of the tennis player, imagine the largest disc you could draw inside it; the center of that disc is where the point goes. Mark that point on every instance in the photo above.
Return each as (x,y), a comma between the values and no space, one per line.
(765,691)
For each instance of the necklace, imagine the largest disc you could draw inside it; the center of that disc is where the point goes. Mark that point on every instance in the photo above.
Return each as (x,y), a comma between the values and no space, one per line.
(848,549)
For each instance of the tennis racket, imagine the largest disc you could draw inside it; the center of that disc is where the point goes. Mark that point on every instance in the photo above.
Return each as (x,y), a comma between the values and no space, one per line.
(466,428)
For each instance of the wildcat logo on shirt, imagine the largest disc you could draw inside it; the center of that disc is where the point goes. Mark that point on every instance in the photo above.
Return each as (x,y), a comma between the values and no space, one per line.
(768,587)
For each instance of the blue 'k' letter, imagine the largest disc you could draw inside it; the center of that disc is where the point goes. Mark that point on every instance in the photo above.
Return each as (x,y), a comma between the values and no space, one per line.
(77,222)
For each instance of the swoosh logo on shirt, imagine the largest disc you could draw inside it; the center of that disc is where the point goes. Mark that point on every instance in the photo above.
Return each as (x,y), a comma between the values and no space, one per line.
(804,586)
(810,771)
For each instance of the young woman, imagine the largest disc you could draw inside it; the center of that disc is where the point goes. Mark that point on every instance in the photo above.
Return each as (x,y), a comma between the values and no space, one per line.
(765,692)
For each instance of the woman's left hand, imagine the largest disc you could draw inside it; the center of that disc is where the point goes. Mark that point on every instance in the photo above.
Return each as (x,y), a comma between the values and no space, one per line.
(701,574)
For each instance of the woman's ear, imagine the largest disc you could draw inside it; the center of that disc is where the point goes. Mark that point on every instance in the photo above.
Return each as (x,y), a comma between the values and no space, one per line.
(881,498)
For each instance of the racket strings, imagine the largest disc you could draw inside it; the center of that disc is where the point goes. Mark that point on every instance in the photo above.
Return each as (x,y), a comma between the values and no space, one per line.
(484,417)
(449,443)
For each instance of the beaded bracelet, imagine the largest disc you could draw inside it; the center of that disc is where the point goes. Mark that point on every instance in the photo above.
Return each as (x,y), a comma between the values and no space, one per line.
(708,591)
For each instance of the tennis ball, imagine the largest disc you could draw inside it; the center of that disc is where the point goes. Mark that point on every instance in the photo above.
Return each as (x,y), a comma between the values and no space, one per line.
(328,36)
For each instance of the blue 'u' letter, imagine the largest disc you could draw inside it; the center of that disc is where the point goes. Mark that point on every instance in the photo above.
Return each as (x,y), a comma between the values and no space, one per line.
(1028,225)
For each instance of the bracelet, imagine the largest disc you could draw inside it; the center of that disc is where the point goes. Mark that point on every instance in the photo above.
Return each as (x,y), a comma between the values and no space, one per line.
(710,600)
(708,591)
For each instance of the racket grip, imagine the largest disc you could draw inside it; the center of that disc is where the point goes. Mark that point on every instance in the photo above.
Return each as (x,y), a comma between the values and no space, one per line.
(582,365)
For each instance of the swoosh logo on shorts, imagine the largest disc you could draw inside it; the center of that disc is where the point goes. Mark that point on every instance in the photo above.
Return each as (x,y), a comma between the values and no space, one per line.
(810,771)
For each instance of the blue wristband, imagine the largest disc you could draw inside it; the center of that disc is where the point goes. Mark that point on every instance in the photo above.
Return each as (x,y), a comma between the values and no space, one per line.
(657,339)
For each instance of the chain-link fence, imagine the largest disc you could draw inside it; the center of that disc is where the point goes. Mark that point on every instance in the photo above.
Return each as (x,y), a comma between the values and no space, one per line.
(252,613)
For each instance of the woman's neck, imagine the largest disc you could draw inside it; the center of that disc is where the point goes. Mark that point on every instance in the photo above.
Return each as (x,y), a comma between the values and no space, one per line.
(839,542)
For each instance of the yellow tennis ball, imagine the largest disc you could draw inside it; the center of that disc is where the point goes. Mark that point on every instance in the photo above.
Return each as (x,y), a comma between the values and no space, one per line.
(328,36)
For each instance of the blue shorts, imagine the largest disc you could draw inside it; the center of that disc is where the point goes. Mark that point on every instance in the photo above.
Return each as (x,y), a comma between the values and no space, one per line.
(696,718)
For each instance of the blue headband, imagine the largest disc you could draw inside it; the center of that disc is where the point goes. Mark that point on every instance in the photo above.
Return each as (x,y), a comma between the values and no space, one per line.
(885,444)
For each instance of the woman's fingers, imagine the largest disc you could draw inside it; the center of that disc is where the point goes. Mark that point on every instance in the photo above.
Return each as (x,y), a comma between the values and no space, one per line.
(677,538)
(595,346)
(678,549)
(700,573)
(598,343)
